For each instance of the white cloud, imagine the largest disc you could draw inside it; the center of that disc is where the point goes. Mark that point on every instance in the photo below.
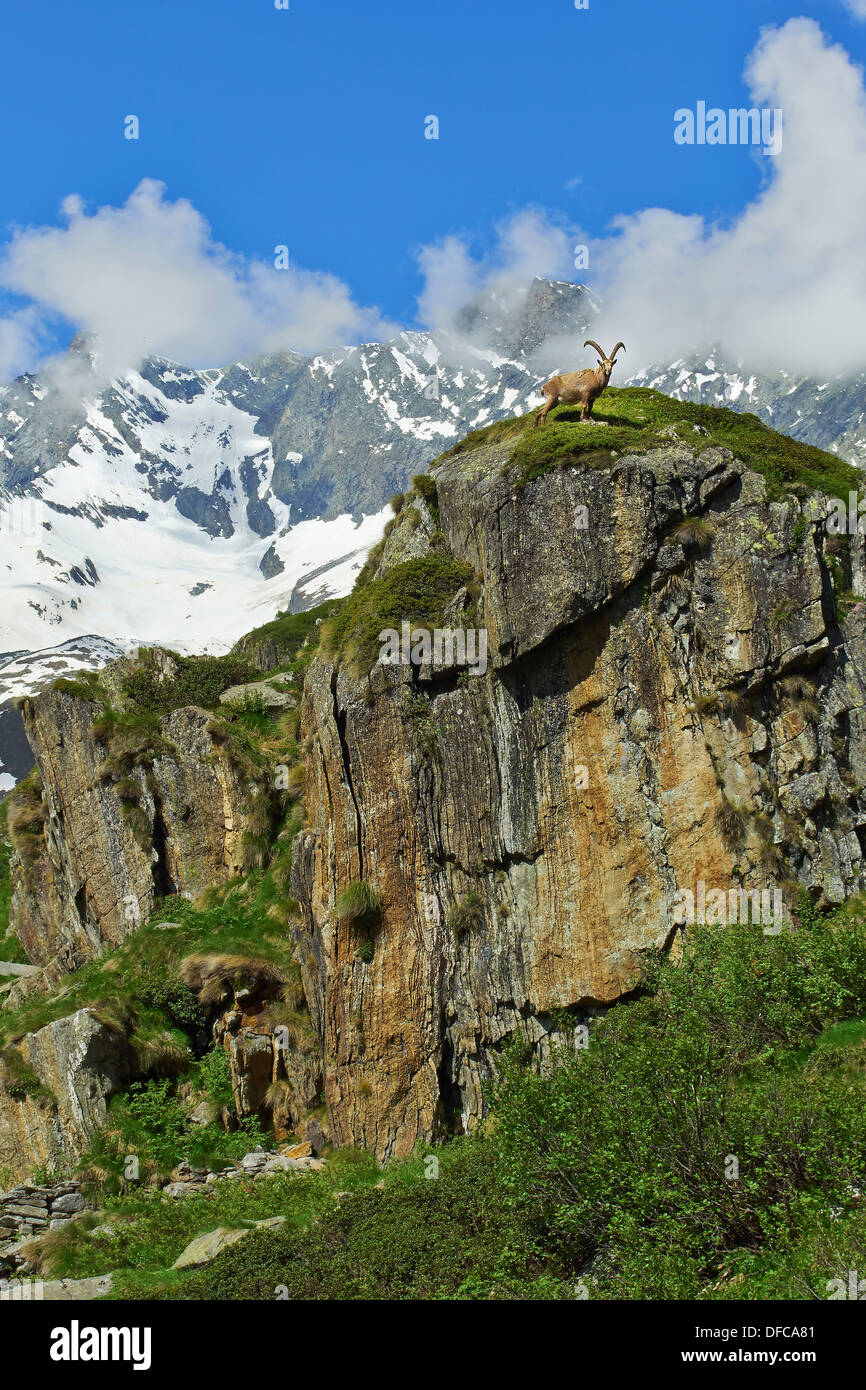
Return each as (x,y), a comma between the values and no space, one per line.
(148,277)
(527,244)
(784,286)
(18,341)
(857,8)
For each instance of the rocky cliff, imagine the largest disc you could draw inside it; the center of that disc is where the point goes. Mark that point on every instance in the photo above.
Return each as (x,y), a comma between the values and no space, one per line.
(120,812)
(54,1091)
(670,701)
(672,697)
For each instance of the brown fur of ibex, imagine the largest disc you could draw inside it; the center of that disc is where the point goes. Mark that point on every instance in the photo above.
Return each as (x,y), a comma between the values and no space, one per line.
(585,386)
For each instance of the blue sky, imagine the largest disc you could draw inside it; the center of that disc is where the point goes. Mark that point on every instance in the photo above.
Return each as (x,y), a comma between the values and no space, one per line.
(305,127)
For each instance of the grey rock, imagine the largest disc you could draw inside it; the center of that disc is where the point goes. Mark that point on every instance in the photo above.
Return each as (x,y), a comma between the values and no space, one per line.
(71,1202)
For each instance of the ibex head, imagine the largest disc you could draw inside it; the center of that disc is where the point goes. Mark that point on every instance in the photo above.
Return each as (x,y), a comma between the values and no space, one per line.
(604,361)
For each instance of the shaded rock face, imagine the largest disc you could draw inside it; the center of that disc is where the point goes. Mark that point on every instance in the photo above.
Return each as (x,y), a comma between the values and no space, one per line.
(97,872)
(31,1136)
(275,1077)
(81,1062)
(664,705)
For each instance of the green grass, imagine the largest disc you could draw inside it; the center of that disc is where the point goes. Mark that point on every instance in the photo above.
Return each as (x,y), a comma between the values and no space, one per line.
(359,902)
(149,1231)
(149,1121)
(138,990)
(417,591)
(293,635)
(630,420)
(467,916)
(10,947)
(200,680)
(140,979)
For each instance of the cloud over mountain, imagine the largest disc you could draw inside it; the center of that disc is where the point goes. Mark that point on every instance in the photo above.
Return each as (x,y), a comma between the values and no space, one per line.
(148,278)
(783,286)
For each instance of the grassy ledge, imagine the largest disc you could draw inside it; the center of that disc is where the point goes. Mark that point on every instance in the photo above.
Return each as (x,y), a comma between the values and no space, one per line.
(636,419)
(417,591)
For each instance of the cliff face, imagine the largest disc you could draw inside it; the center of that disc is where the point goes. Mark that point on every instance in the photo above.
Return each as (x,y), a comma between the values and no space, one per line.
(671,702)
(108,839)
(671,698)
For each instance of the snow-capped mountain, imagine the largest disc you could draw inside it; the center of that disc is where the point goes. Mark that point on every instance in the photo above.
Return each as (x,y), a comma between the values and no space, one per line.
(185,506)
(829,414)
(23,673)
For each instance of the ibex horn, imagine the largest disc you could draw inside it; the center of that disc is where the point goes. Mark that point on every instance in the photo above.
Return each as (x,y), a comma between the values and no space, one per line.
(590,343)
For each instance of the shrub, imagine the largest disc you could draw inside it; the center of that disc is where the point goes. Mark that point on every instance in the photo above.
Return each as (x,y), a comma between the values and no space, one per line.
(197,680)
(26,814)
(359,903)
(417,590)
(732,822)
(175,1000)
(425,487)
(17,1077)
(215,1077)
(252,713)
(466,916)
(753,1046)
(695,533)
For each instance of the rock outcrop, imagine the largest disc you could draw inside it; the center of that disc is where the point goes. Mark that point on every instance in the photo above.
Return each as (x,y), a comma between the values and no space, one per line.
(112,839)
(206,1248)
(76,1064)
(671,698)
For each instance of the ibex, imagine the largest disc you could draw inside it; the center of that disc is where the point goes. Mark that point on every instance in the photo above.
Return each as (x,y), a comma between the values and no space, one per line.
(585,386)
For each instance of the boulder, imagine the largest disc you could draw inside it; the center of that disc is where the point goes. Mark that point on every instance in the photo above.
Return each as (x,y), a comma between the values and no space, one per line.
(272,698)
(206,1247)
(80,1062)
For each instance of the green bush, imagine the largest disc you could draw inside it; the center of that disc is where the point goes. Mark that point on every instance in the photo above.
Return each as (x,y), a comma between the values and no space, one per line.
(446,1237)
(200,680)
(171,997)
(215,1077)
(360,903)
(140,1233)
(10,947)
(253,713)
(466,916)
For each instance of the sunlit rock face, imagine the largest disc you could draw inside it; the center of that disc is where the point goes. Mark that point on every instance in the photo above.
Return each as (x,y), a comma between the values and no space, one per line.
(665,705)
